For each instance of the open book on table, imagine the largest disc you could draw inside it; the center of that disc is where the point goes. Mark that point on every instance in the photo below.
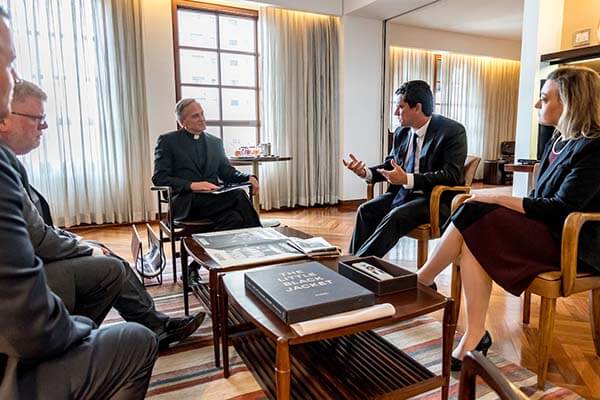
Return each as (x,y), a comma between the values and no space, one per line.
(258,245)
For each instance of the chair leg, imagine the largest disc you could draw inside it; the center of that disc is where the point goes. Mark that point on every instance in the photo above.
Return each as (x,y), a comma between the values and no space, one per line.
(174,258)
(547,311)
(526,306)
(422,252)
(595,318)
(455,291)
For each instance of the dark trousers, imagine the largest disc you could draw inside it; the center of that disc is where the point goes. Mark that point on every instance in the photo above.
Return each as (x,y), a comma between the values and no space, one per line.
(90,286)
(229,210)
(112,363)
(378,227)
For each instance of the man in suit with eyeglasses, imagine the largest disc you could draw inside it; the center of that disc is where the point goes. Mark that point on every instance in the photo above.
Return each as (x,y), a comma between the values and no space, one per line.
(44,351)
(87,277)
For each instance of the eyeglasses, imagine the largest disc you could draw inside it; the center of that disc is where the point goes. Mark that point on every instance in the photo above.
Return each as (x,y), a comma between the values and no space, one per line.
(41,119)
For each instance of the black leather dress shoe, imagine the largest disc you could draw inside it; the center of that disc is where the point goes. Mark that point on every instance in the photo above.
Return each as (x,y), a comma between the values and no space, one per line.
(177,329)
(483,346)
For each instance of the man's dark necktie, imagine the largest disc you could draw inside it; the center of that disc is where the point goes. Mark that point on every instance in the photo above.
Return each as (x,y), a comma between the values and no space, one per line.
(409,168)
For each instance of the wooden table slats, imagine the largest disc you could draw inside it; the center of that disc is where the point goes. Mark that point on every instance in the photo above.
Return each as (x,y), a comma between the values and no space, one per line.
(359,366)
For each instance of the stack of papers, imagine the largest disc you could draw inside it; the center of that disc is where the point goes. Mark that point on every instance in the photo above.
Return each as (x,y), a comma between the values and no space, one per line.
(344,319)
(314,247)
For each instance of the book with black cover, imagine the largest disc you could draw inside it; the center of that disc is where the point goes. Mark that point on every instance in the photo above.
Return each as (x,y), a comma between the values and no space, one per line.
(304,291)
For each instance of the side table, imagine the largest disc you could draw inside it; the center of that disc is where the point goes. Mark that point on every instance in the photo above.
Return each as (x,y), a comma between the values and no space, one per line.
(351,362)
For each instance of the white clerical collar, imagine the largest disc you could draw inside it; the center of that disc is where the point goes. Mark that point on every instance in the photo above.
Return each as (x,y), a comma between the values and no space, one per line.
(195,136)
(422,130)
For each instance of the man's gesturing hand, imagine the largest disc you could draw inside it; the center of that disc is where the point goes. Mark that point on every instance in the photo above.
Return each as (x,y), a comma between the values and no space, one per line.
(396,176)
(356,166)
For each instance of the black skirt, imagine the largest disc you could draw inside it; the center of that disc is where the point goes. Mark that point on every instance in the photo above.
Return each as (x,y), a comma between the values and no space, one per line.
(511,247)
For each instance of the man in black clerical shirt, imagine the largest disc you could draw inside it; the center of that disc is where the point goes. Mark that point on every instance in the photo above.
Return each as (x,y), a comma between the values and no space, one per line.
(193,163)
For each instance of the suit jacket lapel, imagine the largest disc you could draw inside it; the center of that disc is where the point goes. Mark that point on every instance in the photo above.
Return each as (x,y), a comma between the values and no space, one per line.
(189,151)
(565,153)
(403,137)
(209,152)
(429,135)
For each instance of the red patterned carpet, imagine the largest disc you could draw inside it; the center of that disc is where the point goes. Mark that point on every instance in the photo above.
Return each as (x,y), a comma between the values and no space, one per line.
(186,371)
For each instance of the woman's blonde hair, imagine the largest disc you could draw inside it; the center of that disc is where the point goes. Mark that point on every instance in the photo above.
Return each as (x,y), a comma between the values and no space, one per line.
(579,91)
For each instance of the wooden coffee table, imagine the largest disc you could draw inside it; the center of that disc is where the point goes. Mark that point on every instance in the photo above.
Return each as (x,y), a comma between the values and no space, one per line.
(207,292)
(352,362)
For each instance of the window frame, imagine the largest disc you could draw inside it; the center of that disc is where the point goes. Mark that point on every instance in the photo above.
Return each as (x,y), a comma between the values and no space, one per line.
(217,10)
(437,80)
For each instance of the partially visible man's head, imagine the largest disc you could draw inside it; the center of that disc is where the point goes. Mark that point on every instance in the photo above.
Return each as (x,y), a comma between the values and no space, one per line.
(7,56)
(22,129)
(414,103)
(190,115)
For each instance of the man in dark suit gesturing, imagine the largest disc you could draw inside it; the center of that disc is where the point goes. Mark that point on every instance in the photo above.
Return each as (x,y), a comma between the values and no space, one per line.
(428,150)
(191,162)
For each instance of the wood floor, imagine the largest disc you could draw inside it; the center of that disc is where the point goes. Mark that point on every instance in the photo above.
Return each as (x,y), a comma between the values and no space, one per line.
(573,362)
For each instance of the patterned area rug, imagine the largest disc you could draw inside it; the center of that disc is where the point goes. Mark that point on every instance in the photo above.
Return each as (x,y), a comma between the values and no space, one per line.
(187,371)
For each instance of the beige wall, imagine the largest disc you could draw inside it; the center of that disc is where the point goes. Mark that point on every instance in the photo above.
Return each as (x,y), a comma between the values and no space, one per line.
(430,39)
(577,15)
(159,67)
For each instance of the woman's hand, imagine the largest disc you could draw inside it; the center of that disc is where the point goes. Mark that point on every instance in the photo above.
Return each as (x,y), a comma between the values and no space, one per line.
(485,198)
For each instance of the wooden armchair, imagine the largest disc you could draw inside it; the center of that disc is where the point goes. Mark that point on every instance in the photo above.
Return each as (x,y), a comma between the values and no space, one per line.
(474,365)
(172,231)
(550,286)
(432,230)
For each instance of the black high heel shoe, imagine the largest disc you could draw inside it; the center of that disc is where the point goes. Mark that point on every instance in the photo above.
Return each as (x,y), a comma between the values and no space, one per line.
(483,346)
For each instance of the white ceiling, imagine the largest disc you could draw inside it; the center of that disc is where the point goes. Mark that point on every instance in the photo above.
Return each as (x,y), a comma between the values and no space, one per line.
(502,19)
(380,9)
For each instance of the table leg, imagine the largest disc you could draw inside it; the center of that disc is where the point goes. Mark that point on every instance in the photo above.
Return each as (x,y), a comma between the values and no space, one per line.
(282,370)
(173,253)
(185,278)
(449,329)
(213,287)
(256,196)
(224,307)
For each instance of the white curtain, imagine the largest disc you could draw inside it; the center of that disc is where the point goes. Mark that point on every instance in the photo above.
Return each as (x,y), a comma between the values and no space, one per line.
(300,114)
(406,65)
(481,93)
(93,164)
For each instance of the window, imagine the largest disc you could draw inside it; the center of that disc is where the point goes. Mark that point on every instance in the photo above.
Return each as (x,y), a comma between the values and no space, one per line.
(56,49)
(217,64)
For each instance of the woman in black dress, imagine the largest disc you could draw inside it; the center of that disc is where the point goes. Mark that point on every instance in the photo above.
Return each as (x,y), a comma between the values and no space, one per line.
(510,240)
